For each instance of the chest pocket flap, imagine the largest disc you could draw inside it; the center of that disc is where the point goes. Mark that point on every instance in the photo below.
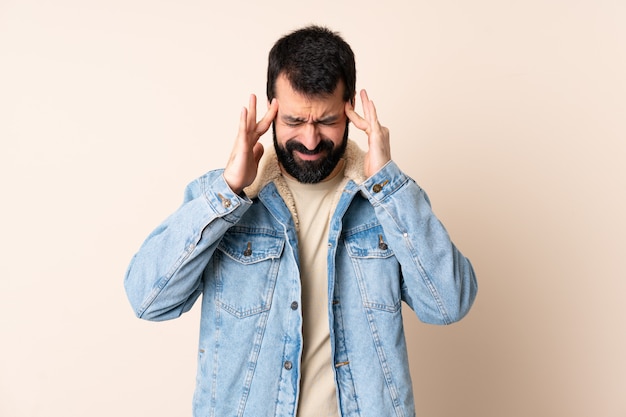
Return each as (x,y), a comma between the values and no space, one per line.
(249,248)
(367,241)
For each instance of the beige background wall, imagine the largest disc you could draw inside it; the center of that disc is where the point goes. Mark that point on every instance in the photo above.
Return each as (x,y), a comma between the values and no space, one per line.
(511,114)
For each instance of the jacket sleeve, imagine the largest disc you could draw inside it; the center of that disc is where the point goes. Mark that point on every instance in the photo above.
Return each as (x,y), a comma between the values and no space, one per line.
(438,282)
(164,277)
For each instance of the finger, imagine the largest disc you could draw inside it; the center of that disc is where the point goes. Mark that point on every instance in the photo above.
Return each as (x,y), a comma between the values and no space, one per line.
(252,111)
(243,124)
(373,119)
(369,109)
(258,151)
(269,117)
(355,118)
(365,103)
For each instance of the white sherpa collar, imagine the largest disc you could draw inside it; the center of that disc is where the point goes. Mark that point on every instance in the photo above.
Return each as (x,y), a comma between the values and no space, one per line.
(269,171)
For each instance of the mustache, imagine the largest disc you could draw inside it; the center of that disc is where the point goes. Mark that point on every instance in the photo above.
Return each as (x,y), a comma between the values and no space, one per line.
(325,145)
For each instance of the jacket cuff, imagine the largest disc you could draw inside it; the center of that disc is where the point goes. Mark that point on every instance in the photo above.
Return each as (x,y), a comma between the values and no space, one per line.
(224,201)
(383,183)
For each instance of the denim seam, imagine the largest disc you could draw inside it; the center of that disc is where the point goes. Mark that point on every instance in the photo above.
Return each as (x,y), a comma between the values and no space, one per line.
(340,344)
(164,281)
(420,267)
(252,361)
(393,392)
(428,281)
(218,332)
(382,358)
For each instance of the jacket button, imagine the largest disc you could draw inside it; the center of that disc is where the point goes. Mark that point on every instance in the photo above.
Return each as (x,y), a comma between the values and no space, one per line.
(288,365)
(379,187)
(225,202)
(294,305)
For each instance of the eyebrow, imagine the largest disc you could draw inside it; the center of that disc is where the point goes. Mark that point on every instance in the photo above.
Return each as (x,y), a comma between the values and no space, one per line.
(294,119)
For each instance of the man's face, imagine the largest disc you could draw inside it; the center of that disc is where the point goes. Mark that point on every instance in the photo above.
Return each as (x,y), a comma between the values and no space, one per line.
(310,134)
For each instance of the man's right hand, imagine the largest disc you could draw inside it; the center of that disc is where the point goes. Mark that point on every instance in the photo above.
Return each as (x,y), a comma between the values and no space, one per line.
(243,163)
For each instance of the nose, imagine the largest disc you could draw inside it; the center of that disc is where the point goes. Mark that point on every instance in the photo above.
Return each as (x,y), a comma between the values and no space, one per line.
(310,135)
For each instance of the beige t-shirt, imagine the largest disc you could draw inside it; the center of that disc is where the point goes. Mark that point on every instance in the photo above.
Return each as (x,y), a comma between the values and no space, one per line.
(314,206)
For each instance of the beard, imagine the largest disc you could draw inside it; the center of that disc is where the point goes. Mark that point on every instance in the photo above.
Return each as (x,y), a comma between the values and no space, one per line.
(310,172)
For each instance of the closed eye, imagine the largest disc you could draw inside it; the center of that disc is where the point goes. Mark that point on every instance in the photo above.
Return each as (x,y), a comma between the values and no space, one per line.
(328,121)
(293,124)
(292,120)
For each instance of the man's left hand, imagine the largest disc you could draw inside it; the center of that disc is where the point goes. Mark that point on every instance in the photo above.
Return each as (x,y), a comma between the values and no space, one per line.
(379,152)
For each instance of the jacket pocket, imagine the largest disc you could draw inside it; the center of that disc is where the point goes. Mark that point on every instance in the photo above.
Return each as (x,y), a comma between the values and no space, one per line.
(376,268)
(246,265)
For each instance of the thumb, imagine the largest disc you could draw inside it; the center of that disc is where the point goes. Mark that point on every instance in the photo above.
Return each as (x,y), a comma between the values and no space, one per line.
(258,151)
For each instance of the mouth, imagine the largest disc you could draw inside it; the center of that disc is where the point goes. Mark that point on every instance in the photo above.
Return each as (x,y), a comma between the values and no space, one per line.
(309,156)
(301,153)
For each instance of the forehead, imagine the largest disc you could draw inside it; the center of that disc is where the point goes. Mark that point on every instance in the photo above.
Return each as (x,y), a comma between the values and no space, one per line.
(294,103)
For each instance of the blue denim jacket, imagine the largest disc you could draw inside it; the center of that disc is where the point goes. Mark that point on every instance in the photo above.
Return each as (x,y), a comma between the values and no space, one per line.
(385,246)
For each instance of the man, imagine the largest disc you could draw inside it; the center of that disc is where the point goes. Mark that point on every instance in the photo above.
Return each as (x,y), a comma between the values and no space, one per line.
(303,255)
